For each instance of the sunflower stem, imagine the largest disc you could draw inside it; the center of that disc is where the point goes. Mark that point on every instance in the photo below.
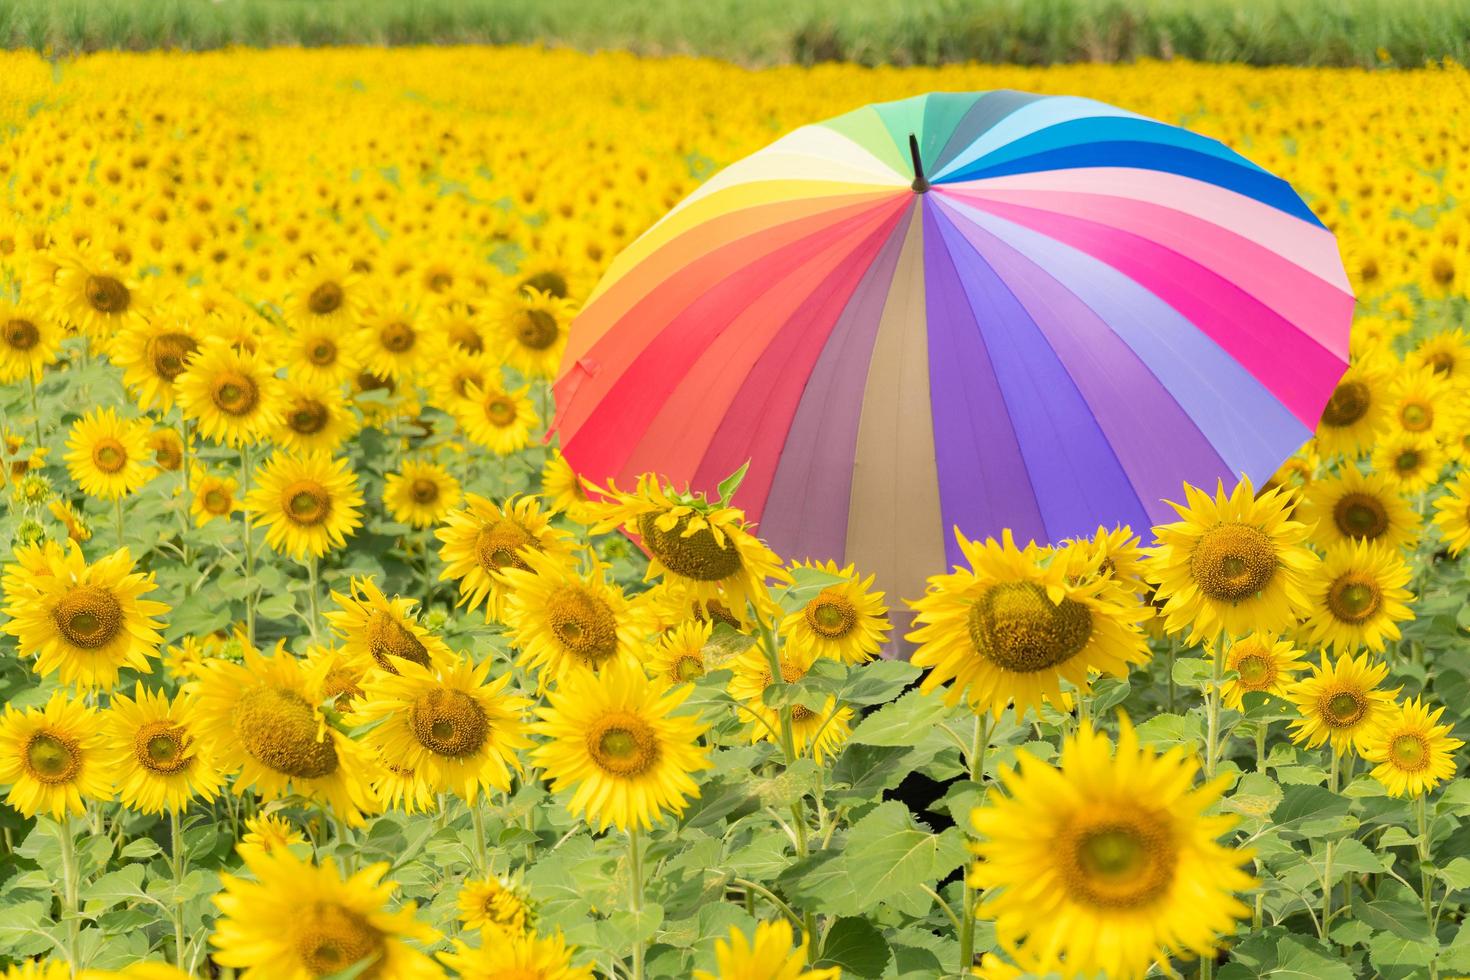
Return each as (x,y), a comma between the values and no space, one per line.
(118,517)
(1212,707)
(1173,652)
(184,466)
(249,545)
(1261,730)
(477,821)
(312,616)
(980,741)
(1421,814)
(177,863)
(70,886)
(35,411)
(1327,850)
(635,899)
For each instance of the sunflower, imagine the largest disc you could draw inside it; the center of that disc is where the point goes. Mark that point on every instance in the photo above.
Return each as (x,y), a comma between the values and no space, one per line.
(1411,463)
(484,539)
(460,327)
(1358,408)
(527,957)
(213,496)
(1358,597)
(315,417)
(151,746)
(1010,629)
(267,833)
(392,344)
(500,420)
(454,375)
(1356,506)
(53,758)
(1446,353)
(29,341)
(824,730)
(549,272)
(702,549)
(230,393)
(167,448)
(1113,554)
(562,490)
(342,673)
(452,727)
(1420,404)
(88,621)
(495,904)
(47,969)
(375,628)
(846,621)
(315,353)
(307,504)
(1263,664)
(420,494)
(152,356)
(34,562)
(325,293)
(1107,860)
(1452,514)
(564,622)
(767,955)
(1341,703)
(299,921)
(108,455)
(532,328)
(615,741)
(678,656)
(1235,564)
(261,716)
(1410,752)
(97,294)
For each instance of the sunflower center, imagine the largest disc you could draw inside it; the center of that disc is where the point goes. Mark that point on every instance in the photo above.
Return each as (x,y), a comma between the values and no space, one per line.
(88,617)
(306,502)
(500,410)
(1016,626)
(234,393)
(449,722)
(831,614)
(466,338)
(161,747)
(424,491)
(217,502)
(688,668)
(1342,709)
(329,938)
(622,744)
(696,556)
(1354,597)
(325,299)
(1407,461)
(52,758)
(397,337)
(1409,751)
(1349,402)
(584,623)
(1442,362)
(1118,862)
(548,282)
(21,334)
(1233,562)
(340,685)
(387,637)
(168,351)
(1416,416)
(1257,672)
(498,545)
(308,417)
(109,456)
(169,456)
(107,295)
(322,352)
(1360,515)
(279,729)
(537,329)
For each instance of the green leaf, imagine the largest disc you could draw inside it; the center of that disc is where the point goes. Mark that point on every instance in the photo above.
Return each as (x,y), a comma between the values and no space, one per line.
(820,883)
(806,584)
(1456,874)
(114,888)
(889,859)
(1400,918)
(877,682)
(855,945)
(902,722)
(1298,958)
(1387,950)
(731,483)
(1351,856)
(1305,810)
(1196,672)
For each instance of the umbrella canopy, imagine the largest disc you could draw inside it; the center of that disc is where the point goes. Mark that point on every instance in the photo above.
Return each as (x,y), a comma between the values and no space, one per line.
(985,310)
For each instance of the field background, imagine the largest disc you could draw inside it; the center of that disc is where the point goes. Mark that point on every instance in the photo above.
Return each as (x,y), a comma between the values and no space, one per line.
(1259,32)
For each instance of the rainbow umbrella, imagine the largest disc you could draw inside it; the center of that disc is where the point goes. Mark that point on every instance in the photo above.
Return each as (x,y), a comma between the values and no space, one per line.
(982,310)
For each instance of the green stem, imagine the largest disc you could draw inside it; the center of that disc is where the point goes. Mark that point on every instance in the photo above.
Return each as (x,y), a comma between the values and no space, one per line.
(249,545)
(979,742)
(635,900)
(35,411)
(1212,708)
(1173,652)
(1421,813)
(1328,850)
(177,864)
(477,820)
(1261,746)
(70,884)
(118,517)
(184,492)
(311,596)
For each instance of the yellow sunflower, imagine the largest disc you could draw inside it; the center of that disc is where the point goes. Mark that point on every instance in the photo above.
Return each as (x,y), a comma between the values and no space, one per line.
(1446,352)
(374,627)
(563,622)
(213,496)
(299,921)
(266,833)
(824,730)
(167,448)
(1009,628)
(701,548)
(315,417)
(1341,703)
(48,969)
(262,717)
(1235,563)
(88,622)
(307,504)
(455,374)
(1107,860)
(527,957)
(152,356)
(108,455)
(318,352)
(392,343)
(766,955)
(137,971)
(1359,597)
(846,622)
(1355,506)
(452,727)
(678,655)
(29,341)
(614,740)
(1113,554)
(53,757)
(460,327)
(342,674)
(495,904)
(500,420)
(326,293)
(562,490)
(1358,408)
(232,394)
(1421,404)
(483,539)
(532,329)
(34,561)
(97,294)
(1452,514)
(1411,753)
(151,747)
(1411,463)
(420,493)
(1265,664)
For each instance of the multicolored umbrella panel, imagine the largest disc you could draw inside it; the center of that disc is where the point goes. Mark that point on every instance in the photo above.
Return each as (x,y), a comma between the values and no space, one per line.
(984,310)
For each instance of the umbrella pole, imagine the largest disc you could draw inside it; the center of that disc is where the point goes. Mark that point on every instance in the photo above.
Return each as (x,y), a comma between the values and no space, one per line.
(920,184)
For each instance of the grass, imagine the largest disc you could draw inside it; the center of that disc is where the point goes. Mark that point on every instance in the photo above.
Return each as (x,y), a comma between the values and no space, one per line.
(1260,32)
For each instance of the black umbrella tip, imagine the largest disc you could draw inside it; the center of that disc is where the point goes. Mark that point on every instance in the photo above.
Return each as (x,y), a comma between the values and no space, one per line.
(920,184)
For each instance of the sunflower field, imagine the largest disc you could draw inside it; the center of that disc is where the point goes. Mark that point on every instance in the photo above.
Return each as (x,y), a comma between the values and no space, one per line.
(319,661)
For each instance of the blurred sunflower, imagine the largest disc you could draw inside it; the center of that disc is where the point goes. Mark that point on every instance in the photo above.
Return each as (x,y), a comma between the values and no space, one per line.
(846,621)
(563,622)
(266,833)
(231,394)
(824,730)
(307,504)
(96,293)
(767,955)
(1355,506)
(1420,404)
(326,292)
(1359,597)
(1452,514)
(151,747)
(29,342)
(561,490)
(1411,752)
(213,496)
(497,905)
(391,343)
(108,455)
(1446,353)
(528,957)
(1357,409)
(1411,463)
(420,494)
(167,448)
(315,417)
(314,353)
(1341,703)
(52,757)
(152,356)
(483,539)
(500,420)
(1263,664)
(532,328)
